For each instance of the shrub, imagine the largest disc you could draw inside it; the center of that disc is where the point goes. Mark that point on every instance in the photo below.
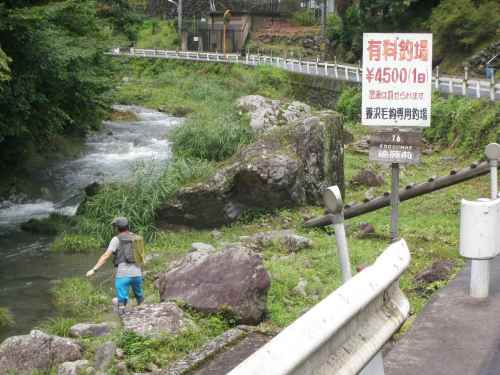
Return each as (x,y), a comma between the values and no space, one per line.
(6,318)
(349,104)
(459,25)
(158,34)
(77,297)
(205,137)
(334,28)
(271,81)
(465,123)
(305,17)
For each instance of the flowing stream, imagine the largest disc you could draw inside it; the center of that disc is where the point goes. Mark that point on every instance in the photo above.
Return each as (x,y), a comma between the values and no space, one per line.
(28,269)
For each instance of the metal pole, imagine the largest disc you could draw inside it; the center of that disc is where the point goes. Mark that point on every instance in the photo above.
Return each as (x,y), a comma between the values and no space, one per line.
(394,201)
(333,202)
(494,179)
(342,249)
(492,152)
(480,278)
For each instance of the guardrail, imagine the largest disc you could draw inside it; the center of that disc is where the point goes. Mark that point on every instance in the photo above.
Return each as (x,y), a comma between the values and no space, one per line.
(352,73)
(342,333)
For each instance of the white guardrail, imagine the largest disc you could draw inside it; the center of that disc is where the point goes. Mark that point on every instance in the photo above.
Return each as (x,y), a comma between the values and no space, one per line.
(342,333)
(451,85)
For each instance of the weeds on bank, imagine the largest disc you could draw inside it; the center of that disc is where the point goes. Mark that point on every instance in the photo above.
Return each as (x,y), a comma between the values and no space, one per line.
(79,298)
(6,318)
(143,351)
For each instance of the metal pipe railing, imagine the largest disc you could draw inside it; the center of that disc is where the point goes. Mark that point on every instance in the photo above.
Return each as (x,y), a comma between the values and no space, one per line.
(409,192)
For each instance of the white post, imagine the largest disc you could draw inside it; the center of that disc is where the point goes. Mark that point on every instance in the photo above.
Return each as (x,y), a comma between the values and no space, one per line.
(493,154)
(342,249)
(437,78)
(478,89)
(464,82)
(326,68)
(492,87)
(346,71)
(480,278)
(333,201)
(450,86)
(375,366)
(335,68)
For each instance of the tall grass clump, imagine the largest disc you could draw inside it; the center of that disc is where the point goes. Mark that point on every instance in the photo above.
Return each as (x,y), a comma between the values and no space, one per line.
(211,138)
(77,297)
(59,326)
(139,199)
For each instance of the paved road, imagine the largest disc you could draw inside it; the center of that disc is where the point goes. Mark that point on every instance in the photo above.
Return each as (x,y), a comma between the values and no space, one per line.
(454,335)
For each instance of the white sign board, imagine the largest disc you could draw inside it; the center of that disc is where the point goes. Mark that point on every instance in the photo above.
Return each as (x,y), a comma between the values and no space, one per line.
(397,80)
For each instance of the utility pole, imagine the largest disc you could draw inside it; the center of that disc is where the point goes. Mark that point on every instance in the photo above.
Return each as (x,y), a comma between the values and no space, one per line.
(178,5)
(323,18)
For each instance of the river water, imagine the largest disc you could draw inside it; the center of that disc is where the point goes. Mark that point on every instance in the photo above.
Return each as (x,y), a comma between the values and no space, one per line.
(27,268)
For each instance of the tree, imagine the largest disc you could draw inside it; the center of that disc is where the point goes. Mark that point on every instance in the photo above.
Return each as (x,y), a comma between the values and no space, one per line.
(59,75)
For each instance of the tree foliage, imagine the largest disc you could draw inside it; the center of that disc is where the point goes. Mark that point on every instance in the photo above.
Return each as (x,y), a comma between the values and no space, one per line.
(53,59)
(459,25)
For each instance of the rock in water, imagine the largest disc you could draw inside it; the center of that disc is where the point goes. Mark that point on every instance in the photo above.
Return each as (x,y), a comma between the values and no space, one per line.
(36,351)
(156,319)
(233,280)
(287,167)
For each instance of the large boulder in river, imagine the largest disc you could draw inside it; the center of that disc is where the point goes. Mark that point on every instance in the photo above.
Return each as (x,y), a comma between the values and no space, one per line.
(233,281)
(288,166)
(265,113)
(36,351)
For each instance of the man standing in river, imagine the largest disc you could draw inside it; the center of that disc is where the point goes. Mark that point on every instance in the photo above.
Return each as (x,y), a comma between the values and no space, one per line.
(128,272)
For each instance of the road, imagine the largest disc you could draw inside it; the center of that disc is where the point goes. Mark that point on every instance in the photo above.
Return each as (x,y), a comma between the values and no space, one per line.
(454,335)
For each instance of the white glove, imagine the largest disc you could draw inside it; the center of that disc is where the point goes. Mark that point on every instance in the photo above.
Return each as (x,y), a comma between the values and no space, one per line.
(91,273)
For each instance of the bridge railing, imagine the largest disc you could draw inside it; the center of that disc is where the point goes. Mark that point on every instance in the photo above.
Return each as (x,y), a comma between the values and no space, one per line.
(342,333)
(478,88)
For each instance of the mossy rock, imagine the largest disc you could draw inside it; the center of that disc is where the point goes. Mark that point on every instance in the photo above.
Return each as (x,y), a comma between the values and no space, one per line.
(51,225)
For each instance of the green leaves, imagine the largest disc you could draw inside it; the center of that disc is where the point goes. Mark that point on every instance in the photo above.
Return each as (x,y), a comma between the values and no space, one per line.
(59,77)
(4,66)
(460,25)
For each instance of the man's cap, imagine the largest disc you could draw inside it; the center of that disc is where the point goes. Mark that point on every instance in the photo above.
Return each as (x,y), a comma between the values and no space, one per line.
(120,222)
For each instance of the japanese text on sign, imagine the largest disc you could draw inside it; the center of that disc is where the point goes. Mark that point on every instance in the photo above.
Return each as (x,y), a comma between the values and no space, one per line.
(397,79)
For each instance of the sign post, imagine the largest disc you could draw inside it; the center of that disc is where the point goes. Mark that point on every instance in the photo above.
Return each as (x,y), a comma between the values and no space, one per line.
(396,101)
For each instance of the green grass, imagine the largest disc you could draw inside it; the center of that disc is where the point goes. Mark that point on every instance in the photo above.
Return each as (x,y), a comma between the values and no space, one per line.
(59,326)
(6,318)
(79,298)
(141,351)
(158,34)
